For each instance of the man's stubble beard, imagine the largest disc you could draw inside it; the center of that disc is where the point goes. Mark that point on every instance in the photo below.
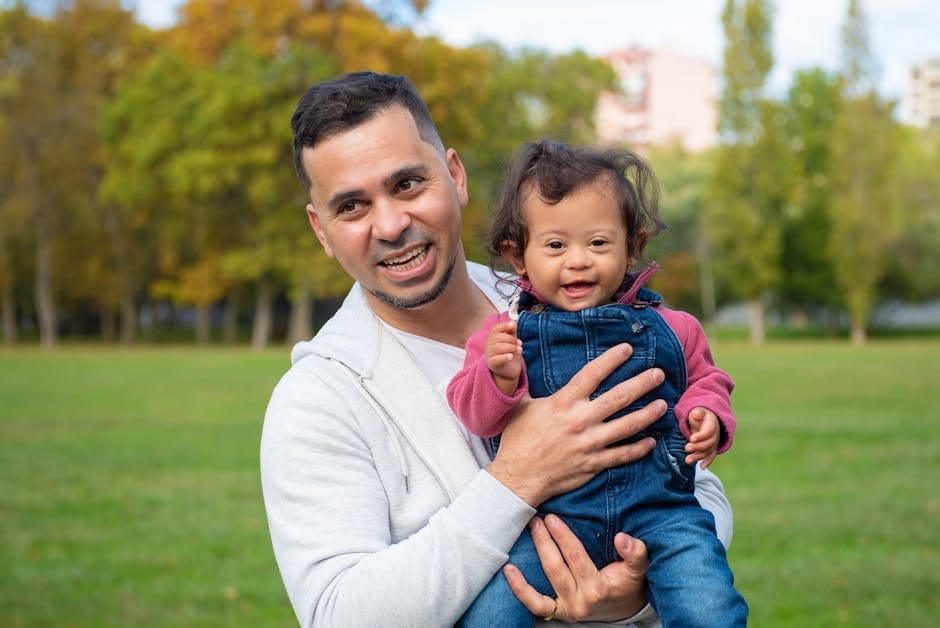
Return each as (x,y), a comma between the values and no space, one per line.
(421,299)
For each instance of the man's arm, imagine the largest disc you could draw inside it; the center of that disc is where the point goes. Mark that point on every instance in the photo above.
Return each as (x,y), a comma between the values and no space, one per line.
(357,543)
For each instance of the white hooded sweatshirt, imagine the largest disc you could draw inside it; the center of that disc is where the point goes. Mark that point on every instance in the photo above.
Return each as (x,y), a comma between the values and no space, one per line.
(378,511)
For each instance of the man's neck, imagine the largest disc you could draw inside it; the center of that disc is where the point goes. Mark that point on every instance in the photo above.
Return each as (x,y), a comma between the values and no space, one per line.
(451,318)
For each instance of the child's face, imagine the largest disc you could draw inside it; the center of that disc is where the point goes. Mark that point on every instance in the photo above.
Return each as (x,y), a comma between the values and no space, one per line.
(576,256)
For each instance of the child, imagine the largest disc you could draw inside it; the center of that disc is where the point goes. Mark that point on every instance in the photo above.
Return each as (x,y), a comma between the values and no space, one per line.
(573,223)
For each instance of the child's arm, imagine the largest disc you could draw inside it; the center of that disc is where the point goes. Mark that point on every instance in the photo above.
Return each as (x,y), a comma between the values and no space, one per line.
(708,387)
(504,356)
(473,394)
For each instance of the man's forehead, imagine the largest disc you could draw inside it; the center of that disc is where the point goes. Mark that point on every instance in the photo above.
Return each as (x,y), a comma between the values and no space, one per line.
(367,155)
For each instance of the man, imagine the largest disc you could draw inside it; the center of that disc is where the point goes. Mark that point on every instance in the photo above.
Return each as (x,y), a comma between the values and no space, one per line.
(382,511)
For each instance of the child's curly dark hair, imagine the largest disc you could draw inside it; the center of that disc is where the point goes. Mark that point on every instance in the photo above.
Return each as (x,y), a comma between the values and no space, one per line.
(554,170)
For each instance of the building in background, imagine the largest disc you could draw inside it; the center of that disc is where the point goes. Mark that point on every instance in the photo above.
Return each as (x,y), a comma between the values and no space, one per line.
(923,94)
(665,97)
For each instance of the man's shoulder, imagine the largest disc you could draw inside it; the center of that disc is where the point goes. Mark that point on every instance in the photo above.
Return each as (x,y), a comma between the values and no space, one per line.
(497,286)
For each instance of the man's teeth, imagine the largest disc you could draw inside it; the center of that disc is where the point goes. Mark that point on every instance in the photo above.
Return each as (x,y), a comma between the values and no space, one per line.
(407,261)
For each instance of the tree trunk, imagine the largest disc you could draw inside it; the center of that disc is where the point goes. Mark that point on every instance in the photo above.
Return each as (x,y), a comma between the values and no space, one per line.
(148,321)
(203,324)
(122,257)
(230,317)
(755,312)
(108,326)
(301,315)
(128,318)
(45,303)
(261,329)
(706,281)
(858,336)
(8,305)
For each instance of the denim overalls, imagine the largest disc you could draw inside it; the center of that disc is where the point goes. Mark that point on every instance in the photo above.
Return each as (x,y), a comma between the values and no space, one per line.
(690,583)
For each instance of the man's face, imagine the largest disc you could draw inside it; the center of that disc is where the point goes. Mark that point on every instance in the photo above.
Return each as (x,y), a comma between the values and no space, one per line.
(386,204)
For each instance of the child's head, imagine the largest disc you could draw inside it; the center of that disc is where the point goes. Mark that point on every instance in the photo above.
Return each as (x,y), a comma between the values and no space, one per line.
(573,221)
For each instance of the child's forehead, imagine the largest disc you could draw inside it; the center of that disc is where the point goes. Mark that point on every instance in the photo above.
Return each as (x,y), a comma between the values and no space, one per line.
(537,193)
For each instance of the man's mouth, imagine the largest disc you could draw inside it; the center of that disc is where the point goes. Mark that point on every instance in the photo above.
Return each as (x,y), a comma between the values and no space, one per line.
(407,261)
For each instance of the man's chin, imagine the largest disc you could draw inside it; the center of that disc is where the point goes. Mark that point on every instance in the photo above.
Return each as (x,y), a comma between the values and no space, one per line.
(415,301)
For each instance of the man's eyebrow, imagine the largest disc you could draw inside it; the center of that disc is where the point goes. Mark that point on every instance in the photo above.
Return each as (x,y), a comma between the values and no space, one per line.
(338,199)
(402,173)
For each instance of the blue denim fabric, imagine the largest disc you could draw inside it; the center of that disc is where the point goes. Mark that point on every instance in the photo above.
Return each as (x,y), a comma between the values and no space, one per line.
(690,583)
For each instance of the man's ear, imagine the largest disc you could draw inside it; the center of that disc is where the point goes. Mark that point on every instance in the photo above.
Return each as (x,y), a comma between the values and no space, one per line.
(318,229)
(511,253)
(459,174)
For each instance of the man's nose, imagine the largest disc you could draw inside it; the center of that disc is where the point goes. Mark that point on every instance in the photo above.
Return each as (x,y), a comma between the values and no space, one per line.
(389,220)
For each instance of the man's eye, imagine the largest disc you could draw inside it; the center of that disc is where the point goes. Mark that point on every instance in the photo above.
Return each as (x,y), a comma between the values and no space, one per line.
(349,207)
(409,184)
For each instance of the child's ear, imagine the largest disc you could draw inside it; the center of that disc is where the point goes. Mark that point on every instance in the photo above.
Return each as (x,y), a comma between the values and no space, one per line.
(511,253)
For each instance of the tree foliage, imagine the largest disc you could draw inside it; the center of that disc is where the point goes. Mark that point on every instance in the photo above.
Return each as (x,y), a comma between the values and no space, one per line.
(864,218)
(747,191)
(145,171)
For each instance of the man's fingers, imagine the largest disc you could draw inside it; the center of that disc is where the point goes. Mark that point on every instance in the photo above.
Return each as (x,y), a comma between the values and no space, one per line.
(553,563)
(629,424)
(572,550)
(633,553)
(538,604)
(628,391)
(594,372)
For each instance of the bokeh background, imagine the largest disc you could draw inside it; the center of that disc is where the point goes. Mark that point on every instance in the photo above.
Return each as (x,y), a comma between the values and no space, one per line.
(156,264)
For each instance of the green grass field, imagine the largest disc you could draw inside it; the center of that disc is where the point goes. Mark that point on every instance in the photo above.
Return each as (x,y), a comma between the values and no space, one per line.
(131,493)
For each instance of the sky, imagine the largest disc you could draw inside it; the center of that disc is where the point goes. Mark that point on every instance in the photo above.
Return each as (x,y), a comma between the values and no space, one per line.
(806,32)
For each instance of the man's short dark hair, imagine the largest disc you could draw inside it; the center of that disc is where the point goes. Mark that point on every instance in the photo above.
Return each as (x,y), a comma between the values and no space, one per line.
(343,103)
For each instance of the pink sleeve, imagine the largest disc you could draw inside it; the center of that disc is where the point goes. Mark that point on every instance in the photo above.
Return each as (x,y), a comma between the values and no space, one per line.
(473,395)
(708,386)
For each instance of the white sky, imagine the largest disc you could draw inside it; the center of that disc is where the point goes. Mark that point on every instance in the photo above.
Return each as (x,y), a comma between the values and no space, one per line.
(806,32)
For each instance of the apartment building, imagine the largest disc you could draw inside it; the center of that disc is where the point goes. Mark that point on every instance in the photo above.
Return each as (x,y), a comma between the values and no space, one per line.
(922,99)
(665,97)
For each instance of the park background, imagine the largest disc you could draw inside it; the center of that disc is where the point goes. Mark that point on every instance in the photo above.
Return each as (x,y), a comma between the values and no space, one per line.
(155,263)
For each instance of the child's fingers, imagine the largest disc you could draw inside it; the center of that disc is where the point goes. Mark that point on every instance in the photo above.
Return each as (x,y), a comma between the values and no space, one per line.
(505,347)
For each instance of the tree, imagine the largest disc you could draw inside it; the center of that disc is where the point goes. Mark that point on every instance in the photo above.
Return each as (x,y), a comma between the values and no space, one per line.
(682,248)
(744,200)
(913,272)
(864,217)
(811,105)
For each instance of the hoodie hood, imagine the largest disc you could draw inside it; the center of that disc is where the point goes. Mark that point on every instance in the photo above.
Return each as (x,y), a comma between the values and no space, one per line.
(353,336)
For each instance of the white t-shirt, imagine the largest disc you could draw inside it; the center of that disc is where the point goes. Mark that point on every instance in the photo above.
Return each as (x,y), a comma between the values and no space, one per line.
(440,362)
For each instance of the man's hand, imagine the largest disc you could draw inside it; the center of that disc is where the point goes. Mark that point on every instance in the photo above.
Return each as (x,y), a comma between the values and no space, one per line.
(582,592)
(555,444)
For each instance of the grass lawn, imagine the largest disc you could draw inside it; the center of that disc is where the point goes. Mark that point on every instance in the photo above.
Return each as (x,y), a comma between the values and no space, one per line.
(131,494)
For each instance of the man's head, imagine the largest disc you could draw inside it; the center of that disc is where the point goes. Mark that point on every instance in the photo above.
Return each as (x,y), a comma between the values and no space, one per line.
(385,197)
(343,103)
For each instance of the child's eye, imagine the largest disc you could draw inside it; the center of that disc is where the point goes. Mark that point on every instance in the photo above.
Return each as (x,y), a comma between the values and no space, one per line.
(598,242)
(555,244)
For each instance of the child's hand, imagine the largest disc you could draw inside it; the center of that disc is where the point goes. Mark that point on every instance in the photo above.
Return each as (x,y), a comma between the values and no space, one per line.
(703,442)
(504,356)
